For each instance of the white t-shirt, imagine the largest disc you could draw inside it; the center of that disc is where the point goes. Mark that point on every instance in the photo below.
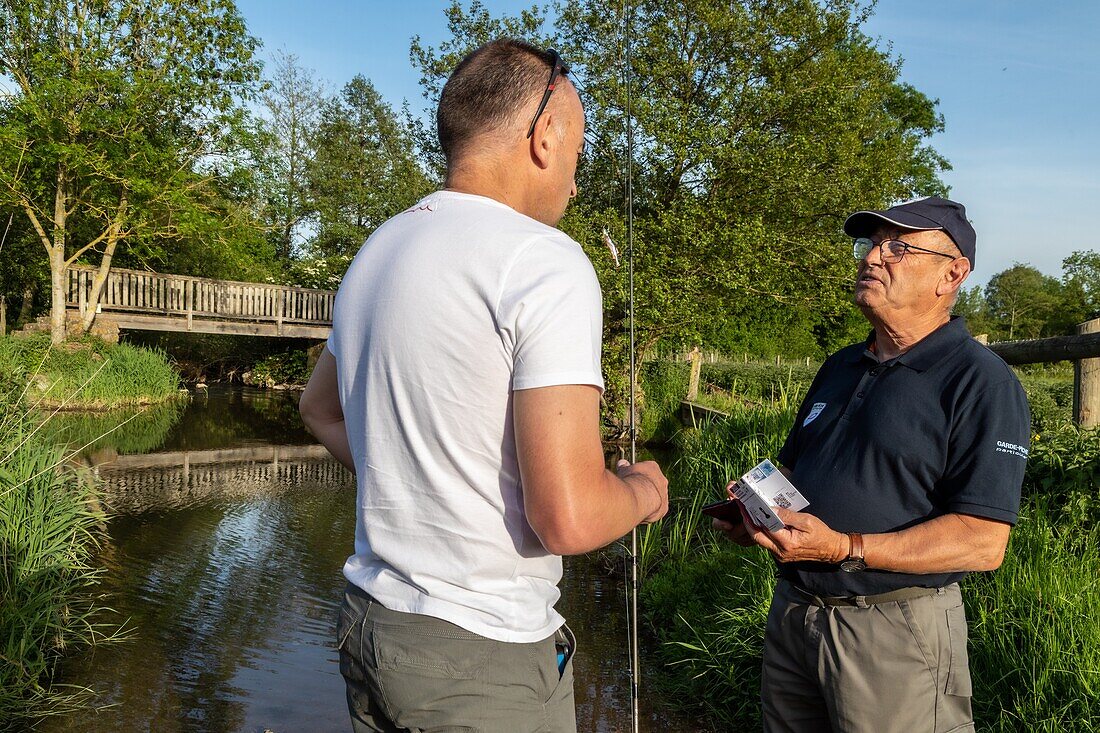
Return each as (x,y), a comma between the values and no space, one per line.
(447,309)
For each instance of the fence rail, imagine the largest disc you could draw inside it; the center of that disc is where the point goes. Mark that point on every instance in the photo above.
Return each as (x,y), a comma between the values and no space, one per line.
(143,294)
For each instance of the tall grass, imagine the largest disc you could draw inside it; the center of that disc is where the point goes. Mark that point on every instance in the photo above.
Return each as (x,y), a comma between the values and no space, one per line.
(1035,628)
(49,526)
(709,458)
(89,373)
(1035,623)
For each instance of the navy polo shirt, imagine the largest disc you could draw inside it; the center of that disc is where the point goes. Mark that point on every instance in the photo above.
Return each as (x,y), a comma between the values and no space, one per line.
(882,446)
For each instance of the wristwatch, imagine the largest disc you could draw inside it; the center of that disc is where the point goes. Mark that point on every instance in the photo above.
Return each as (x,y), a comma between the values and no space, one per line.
(854,562)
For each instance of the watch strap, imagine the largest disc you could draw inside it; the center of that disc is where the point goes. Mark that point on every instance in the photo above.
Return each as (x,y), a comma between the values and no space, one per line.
(855,546)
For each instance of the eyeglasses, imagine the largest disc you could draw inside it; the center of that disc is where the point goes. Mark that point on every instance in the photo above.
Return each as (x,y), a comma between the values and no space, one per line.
(892,250)
(559,67)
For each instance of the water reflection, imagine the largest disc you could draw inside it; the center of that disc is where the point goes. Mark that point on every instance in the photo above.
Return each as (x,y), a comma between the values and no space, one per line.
(226,560)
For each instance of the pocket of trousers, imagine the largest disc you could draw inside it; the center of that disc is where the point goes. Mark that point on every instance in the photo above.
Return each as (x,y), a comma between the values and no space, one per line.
(400,649)
(561,682)
(958,675)
(349,637)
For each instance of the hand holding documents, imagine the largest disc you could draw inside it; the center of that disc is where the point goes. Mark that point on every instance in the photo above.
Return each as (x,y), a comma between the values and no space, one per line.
(765,487)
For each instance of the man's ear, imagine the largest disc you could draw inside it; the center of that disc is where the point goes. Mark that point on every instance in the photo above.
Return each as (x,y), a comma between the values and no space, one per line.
(954,275)
(543,140)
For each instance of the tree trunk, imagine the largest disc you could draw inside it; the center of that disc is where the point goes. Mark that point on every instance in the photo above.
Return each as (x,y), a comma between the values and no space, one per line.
(97,286)
(114,233)
(57,295)
(57,258)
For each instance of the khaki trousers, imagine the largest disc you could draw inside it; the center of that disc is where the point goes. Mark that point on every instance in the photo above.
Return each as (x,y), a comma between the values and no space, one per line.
(408,672)
(898,666)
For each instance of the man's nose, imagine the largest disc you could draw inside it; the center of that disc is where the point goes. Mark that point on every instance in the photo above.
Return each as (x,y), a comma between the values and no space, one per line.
(573,191)
(873,256)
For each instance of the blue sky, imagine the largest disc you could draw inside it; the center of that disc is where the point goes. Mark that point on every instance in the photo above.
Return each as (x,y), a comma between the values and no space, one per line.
(1018,85)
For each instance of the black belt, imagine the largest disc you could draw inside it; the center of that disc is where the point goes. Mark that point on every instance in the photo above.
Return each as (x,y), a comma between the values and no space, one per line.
(901,594)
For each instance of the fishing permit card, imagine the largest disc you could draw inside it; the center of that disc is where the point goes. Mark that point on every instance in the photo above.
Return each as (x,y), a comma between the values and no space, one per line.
(765,487)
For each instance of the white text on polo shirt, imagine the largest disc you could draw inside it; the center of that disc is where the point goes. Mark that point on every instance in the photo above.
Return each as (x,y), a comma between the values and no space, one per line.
(1012,449)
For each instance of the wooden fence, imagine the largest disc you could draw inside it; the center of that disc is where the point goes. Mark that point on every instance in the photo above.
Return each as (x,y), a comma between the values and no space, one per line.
(140,296)
(1083,349)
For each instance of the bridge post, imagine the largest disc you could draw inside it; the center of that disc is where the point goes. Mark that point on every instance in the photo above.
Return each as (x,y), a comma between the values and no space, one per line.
(188,300)
(81,295)
(280,312)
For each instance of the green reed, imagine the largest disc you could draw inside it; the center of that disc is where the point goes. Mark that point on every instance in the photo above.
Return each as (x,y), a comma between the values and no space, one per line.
(50,525)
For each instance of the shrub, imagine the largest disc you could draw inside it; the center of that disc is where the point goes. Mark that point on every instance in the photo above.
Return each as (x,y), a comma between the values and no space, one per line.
(290,367)
(1050,399)
(89,372)
(1064,467)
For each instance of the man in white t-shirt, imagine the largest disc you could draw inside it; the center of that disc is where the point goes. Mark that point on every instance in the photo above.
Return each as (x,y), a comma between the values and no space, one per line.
(462,386)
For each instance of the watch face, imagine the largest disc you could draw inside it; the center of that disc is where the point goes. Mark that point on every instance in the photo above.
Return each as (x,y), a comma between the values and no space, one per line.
(853,566)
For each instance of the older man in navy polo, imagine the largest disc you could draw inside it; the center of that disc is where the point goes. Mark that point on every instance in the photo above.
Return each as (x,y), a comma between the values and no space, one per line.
(910,448)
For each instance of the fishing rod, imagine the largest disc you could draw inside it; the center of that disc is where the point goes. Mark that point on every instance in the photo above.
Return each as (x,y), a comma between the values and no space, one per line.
(635,666)
(632,557)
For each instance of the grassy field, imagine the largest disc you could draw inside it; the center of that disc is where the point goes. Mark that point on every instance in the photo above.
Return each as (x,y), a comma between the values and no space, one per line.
(1035,623)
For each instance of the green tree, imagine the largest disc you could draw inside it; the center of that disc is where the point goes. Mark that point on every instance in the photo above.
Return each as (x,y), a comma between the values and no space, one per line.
(1023,302)
(758,126)
(23,274)
(1081,278)
(364,170)
(292,103)
(117,125)
(973,306)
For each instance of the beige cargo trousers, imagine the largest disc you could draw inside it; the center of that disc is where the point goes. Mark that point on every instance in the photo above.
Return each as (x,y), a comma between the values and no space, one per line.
(888,666)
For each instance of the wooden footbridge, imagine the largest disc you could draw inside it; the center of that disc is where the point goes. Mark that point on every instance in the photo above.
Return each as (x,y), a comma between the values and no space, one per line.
(149,301)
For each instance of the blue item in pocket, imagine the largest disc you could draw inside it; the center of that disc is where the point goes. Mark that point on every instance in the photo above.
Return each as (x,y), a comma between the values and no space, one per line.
(563,654)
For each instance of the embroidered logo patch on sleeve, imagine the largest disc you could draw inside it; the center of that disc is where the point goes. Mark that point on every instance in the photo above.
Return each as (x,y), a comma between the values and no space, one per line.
(814,412)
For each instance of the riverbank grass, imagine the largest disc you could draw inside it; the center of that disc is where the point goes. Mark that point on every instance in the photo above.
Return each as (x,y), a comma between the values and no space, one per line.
(49,525)
(88,374)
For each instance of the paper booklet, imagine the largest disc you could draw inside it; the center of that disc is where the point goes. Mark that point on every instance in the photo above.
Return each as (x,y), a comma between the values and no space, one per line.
(765,487)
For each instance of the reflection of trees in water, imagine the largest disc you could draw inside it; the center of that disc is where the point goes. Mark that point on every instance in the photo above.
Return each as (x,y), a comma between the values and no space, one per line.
(115,430)
(219,418)
(226,417)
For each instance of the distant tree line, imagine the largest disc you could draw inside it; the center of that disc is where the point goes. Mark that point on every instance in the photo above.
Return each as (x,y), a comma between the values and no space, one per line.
(1023,303)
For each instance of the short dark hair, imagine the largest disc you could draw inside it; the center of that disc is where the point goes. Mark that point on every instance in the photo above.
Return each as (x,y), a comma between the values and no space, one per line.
(487,89)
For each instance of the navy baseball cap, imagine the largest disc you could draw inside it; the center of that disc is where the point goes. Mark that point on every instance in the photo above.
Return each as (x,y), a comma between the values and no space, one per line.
(919,215)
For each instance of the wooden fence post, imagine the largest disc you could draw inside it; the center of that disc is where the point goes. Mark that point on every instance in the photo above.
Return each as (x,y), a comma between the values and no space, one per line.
(696,359)
(81,295)
(3,315)
(1086,383)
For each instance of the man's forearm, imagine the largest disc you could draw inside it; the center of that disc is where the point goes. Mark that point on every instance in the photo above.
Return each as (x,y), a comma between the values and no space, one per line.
(334,437)
(948,544)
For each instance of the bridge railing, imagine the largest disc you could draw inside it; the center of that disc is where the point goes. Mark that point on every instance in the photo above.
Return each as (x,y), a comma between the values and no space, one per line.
(196,297)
